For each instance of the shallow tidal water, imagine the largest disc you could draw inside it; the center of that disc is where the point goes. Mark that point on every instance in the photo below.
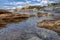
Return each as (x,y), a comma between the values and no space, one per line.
(27,30)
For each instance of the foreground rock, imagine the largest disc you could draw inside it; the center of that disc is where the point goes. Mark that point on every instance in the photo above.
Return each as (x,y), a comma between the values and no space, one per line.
(28,34)
(43,14)
(34,38)
(50,24)
(4,15)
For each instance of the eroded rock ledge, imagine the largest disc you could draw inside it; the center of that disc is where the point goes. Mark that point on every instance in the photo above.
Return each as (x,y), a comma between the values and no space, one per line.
(2,16)
(50,24)
(8,14)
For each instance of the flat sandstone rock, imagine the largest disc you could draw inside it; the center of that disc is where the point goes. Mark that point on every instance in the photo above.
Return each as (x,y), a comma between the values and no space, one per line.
(52,25)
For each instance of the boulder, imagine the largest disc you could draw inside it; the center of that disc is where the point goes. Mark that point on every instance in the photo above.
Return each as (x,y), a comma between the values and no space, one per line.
(52,25)
(8,14)
(2,11)
(5,15)
(20,15)
(57,23)
(13,16)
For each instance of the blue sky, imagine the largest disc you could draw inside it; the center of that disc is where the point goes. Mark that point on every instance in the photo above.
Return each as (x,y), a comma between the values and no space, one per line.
(11,4)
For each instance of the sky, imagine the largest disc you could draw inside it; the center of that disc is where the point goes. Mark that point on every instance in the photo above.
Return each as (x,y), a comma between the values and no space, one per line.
(12,4)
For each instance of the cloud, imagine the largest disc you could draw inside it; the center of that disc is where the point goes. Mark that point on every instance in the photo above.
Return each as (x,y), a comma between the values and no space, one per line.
(8,7)
(19,3)
(28,2)
(14,3)
(39,0)
(44,2)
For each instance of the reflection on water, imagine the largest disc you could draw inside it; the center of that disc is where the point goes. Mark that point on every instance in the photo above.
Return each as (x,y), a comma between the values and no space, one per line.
(24,28)
(4,22)
(23,23)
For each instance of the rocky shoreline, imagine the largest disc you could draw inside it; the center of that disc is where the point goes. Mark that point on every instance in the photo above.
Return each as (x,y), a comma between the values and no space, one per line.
(26,30)
(50,24)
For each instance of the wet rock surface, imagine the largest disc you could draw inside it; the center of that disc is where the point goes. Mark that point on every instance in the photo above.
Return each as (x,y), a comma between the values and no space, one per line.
(28,34)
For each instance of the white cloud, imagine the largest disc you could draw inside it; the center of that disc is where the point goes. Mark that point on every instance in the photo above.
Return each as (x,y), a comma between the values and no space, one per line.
(28,2)
(44,2)
(19,3)
(13,7)
(19,6)
(8,7)
(35,4)
(15,3)
(52,2)
(33,0)
(41,2)
(38,0)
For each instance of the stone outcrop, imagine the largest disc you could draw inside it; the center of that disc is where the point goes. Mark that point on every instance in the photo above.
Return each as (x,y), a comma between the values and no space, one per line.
(3,23)
(5,15)
(52,25)
(39,14)
(2,11)
(20,15)
(12,16)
